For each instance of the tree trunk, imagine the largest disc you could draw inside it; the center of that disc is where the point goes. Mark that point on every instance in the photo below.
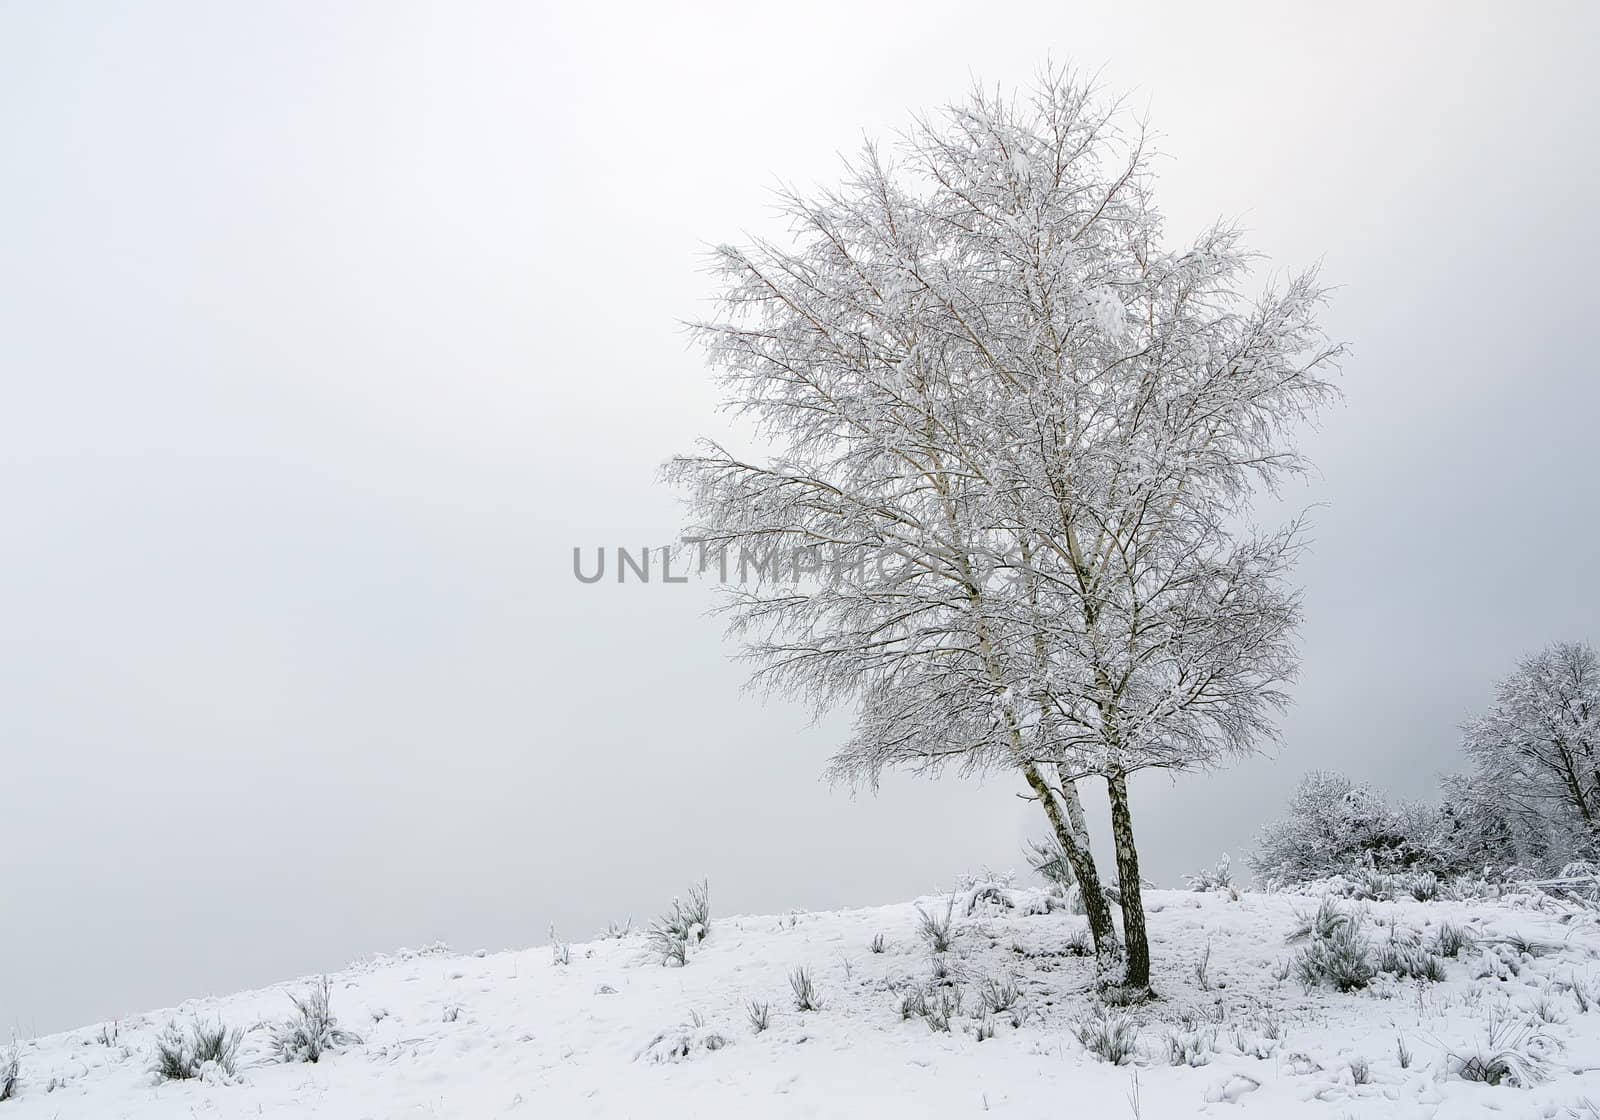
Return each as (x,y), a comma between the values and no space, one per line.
(1075,843)
(1138,941)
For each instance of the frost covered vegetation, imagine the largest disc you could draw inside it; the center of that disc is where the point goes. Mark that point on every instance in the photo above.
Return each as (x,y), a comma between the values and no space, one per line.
(1528,807)
(10,1071)
(204,1050)
(312,1031)
(681,928)
(1016,431)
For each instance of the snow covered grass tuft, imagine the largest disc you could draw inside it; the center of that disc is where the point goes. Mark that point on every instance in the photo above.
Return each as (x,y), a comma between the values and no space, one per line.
(1321,924)
(1339,955)
(672,934)
(1190,1046)
(941,1008)
(1545,1010)
(1079,944)
(698,912)
(1424,887)
(670,946)
(998,995)
(759,1012)
(1509,1054)
(312,1031)
(1219,878)
(1109,1035)
(913,1004)
(677,1043)
(1338,958)
(1451,940)
(1583,994)
(805,990)
(1403,956)
(1049,861)
(936,931)
(10,1072)
(207,1051)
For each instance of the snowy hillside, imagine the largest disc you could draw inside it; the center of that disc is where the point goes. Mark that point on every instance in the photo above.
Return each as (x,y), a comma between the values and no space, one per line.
(614,1033)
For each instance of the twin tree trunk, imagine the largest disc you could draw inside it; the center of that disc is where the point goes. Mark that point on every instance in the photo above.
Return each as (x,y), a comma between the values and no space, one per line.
(1074,841)
(1138,941)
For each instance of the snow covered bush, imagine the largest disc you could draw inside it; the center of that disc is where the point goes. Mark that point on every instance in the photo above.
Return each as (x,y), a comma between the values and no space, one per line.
(1337,827)
(1109,1035)
(207,1051)
(10,1072)
(312,1031)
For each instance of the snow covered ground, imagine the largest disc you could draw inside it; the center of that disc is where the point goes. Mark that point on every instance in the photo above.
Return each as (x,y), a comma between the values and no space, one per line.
(613,1033)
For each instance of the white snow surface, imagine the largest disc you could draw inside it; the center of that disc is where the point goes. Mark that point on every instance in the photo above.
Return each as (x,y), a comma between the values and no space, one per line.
(517,1034)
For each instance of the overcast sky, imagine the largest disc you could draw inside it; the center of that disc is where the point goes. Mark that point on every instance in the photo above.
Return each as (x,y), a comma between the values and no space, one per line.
(328,330)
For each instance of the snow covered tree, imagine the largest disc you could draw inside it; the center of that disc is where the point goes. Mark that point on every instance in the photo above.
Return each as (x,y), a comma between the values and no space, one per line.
(1022,434)
(1536,753)
(1477,829)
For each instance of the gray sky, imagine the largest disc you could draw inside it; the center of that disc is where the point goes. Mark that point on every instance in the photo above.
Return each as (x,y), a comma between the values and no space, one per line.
(327,331)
